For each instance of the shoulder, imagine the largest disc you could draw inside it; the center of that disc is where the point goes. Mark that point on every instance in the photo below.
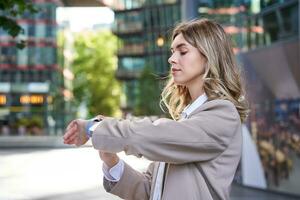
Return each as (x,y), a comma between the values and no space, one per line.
(220,103)
(218,107)
(217,117)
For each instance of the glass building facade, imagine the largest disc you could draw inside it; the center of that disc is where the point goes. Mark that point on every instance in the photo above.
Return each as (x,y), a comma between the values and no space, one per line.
(143,28)
(271,22)
(231,14)
(253,24)
(30,79)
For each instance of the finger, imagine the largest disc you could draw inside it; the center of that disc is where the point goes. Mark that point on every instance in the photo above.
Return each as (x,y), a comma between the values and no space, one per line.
(70,125)
(72,137)
(70,140)
(67,142)
(70,132)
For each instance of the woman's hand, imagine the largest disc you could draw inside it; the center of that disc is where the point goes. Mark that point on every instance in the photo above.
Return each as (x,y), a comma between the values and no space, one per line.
(76,133)
(110,159)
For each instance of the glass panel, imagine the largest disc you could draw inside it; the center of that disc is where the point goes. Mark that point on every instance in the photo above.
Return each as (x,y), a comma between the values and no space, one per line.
(40,30)
(131,64)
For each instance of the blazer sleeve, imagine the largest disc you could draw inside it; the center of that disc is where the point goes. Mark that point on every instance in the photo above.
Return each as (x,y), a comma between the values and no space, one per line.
(132,185)
(202,137)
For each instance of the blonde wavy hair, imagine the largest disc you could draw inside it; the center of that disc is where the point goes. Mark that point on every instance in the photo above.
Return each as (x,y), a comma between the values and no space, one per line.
(222,77)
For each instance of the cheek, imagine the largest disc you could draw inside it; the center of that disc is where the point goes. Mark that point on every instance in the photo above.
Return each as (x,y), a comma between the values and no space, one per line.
(198,65)
(186,62)
(193,65)
(201,68)
(192,61)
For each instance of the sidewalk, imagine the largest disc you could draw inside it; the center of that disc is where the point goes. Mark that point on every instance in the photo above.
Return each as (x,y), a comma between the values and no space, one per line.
(33,142)
(48,173)
(75,174)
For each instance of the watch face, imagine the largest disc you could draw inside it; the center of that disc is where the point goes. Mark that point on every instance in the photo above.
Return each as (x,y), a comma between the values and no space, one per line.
(97,119)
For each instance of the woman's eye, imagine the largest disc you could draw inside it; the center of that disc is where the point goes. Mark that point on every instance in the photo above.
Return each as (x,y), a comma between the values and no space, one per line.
(183,53)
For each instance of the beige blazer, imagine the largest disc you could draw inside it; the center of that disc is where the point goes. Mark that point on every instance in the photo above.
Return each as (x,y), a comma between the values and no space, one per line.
(202,153)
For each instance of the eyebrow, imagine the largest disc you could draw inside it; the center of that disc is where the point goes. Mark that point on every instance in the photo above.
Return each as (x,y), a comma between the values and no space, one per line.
(178,46)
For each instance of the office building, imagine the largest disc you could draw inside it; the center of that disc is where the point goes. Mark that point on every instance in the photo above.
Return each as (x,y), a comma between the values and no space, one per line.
(31,82)
(144,28)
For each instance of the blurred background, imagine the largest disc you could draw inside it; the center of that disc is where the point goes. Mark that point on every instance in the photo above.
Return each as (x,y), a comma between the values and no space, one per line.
(64,59)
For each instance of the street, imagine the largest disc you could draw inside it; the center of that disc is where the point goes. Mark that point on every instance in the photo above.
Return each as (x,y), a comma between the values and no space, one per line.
(49,173)
(75,174)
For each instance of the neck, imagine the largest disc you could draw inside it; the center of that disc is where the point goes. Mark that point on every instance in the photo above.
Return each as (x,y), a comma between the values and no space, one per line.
(195,87)
(196,90)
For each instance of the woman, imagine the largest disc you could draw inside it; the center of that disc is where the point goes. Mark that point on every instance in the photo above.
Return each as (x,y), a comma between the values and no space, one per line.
(196,154)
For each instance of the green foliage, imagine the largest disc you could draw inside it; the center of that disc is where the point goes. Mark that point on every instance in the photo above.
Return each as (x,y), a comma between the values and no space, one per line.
(9,10)
(94,69)
(34,121)
(148,97)
(23,122)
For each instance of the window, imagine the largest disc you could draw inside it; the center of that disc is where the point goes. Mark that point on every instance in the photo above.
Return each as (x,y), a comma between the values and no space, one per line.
(22,57)
(132,64)
(40,30)
(4,76)
(49,30)
(31,30)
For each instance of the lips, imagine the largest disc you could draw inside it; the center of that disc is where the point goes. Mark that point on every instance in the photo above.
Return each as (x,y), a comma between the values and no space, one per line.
(175,69)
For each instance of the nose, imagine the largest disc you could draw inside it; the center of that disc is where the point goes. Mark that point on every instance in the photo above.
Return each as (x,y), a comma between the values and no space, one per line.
(172,59)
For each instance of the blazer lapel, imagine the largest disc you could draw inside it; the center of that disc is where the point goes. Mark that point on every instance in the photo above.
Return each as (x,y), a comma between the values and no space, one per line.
(202,107)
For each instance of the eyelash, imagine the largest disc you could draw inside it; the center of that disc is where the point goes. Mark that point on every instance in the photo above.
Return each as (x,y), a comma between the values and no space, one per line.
(182,53)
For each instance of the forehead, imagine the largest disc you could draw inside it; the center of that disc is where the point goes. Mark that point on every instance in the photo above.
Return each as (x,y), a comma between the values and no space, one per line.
(179,41)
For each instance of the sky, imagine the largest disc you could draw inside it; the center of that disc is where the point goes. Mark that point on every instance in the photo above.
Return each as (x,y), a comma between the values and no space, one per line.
(84,17)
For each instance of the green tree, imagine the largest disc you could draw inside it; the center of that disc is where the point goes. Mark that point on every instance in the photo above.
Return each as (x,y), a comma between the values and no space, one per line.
(9,10)
(148,97)
(94,69)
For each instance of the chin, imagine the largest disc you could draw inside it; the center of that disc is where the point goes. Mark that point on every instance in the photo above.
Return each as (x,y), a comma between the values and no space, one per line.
(178,82)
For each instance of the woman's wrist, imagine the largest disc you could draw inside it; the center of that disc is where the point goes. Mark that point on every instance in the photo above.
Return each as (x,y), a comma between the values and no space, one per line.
(110,159)
(112,162)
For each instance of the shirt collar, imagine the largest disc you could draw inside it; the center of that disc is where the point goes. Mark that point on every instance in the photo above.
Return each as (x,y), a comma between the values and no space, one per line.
(191,107)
